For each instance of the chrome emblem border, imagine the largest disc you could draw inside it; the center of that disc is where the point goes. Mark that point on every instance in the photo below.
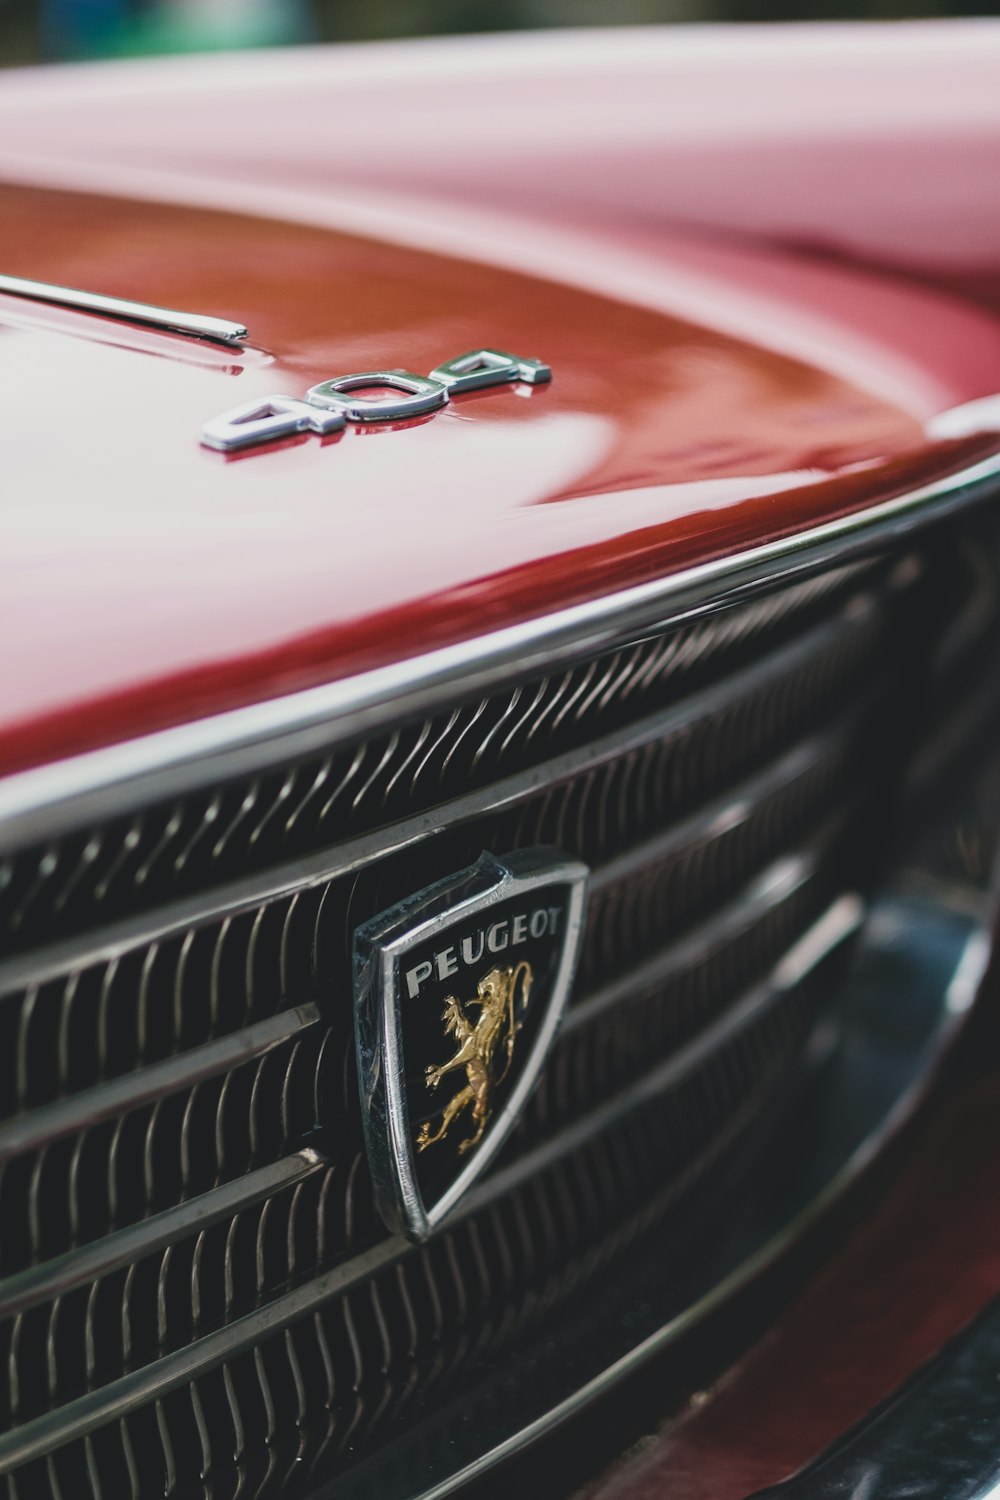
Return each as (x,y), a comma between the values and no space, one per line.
(383,987)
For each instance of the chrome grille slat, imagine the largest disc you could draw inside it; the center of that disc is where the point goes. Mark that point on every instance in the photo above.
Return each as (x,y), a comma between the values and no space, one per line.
(735,806)
(124,1246)
(766,893)
(631,913)
(143,1151)
(134,1089)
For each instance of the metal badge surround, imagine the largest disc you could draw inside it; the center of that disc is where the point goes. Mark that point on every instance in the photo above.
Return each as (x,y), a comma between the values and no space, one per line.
(442,1079)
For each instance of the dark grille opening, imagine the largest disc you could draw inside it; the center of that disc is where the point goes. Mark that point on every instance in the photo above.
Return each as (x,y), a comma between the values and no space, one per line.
(197,1297)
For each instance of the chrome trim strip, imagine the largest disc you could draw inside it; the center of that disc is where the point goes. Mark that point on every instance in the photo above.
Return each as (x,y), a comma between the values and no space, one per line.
(35,803)
(75,1268)
(111,1402)
(104,1100)
(234,897)
(764,894)
(736,805)
(193,325)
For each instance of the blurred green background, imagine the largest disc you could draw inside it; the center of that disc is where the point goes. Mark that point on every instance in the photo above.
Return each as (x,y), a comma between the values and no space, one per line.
(52,30)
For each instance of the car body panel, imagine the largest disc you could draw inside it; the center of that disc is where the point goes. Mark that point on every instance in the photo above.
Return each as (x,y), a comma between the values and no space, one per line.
(711,391)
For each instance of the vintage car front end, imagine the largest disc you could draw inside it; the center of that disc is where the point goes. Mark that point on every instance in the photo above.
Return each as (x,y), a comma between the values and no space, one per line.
(486,881)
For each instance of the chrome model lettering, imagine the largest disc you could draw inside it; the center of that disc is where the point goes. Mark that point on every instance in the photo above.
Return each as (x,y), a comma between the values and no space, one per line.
(471,954)
(328,406)
(485,367)
(496,938)
(509,932)
(267,420)
(421,394)
(446,963)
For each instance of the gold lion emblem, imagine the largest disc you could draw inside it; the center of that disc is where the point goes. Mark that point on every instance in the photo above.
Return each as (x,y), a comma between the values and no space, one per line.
(479,1041)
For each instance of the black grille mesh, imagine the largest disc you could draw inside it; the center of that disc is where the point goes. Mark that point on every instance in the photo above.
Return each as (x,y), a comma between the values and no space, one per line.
(724,781)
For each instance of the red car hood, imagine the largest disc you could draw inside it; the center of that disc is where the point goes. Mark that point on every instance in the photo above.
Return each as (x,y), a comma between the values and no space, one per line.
(631,208)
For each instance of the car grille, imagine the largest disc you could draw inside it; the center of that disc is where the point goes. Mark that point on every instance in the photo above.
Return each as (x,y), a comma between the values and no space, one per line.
(196,1294)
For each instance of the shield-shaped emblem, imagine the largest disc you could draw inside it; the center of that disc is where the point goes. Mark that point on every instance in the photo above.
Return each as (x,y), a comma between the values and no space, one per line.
(458,994)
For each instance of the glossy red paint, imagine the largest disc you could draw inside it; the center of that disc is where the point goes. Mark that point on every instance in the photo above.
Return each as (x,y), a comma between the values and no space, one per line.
(926,1263)
(397,206)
